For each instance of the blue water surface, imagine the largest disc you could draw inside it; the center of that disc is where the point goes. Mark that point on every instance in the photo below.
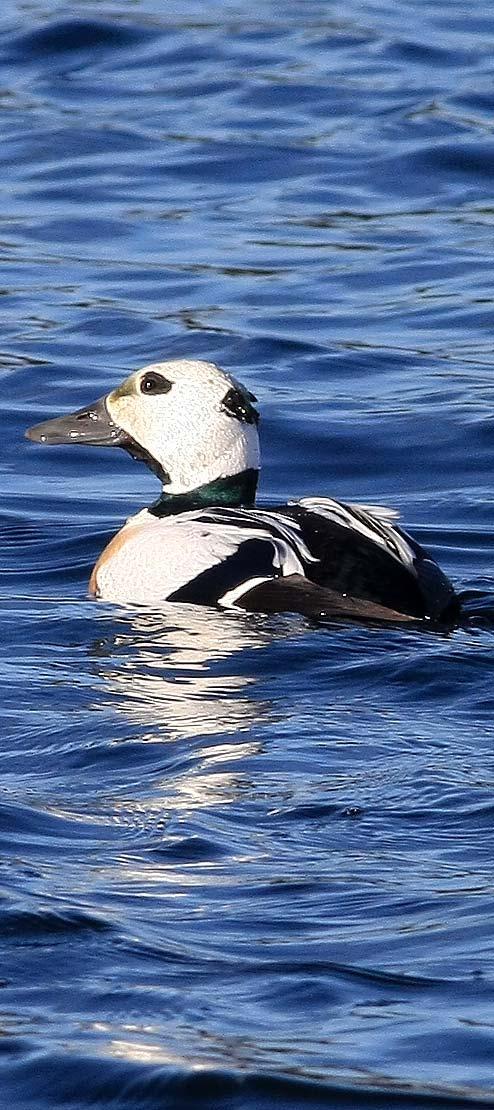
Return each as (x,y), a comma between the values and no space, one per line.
(247,862)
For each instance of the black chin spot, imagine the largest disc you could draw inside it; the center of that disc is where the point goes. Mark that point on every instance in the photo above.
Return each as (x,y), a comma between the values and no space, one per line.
(137,452)
(238,404)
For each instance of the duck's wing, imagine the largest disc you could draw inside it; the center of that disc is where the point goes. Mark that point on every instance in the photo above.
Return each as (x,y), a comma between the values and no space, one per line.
(297,594)
(314,557)
(379,512)
(353,552)
(361,553)
(257,560)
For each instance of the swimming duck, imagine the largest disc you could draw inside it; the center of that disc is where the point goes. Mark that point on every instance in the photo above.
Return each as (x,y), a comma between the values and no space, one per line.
(206,541)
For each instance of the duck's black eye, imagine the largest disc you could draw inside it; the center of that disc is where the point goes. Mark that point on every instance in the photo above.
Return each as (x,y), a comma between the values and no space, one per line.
(155,383)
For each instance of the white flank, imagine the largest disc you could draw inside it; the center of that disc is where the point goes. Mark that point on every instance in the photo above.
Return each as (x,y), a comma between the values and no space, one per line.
(159,556)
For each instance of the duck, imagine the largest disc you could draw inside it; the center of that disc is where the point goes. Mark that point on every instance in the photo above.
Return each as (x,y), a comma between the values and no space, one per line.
(206,541)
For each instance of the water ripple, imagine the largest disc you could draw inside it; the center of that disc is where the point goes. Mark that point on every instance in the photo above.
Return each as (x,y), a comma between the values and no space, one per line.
(246,860)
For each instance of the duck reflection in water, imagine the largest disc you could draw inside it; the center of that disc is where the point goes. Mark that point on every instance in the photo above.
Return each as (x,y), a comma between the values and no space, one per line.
(168,672)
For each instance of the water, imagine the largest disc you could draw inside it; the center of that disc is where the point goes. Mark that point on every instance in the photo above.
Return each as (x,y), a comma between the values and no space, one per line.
(247,862)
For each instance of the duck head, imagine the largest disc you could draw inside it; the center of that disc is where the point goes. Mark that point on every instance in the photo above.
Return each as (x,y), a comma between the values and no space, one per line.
(191,423)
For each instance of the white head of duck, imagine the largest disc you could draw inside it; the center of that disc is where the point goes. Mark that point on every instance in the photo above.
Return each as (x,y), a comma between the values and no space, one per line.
(189,421)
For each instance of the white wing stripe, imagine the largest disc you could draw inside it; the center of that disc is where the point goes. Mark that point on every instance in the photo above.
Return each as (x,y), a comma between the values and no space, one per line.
(380,512)
(228,600)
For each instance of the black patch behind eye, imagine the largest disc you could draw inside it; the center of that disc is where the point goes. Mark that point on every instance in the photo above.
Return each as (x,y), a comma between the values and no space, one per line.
(154,383)
(238,404)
